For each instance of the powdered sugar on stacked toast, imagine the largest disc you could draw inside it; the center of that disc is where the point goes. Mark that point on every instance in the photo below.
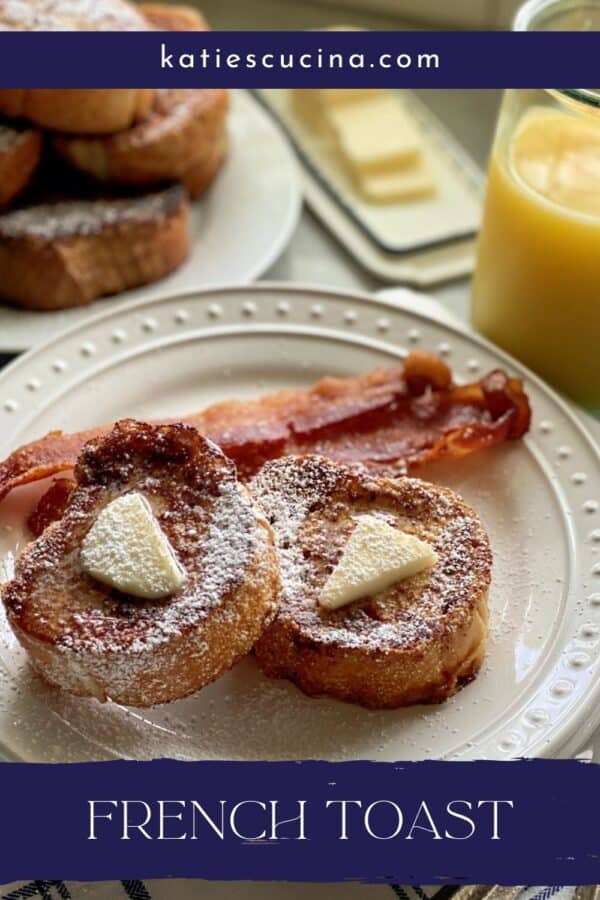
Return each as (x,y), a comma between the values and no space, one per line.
(70,15)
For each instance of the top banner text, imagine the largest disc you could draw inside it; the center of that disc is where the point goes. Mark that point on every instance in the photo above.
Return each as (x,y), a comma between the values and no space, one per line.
(301,59)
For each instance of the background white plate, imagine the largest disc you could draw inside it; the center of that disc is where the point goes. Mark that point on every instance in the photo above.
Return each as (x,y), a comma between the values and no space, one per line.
(539,691)
(237,230)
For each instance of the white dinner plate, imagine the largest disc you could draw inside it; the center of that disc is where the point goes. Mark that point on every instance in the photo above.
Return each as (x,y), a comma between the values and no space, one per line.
(539,691)
(237,230)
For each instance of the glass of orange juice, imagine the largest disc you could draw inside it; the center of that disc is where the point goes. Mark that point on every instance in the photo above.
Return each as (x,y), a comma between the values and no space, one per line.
(536,290)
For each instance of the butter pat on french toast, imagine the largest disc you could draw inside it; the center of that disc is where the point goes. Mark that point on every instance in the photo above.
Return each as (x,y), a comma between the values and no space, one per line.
(127,550)
(376,556)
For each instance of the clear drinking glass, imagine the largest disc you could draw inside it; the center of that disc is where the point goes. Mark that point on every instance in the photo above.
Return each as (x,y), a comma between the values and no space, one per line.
(536,289)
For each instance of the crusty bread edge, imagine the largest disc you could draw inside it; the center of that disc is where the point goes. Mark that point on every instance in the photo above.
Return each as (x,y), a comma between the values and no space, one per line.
(377,679)
(68,261)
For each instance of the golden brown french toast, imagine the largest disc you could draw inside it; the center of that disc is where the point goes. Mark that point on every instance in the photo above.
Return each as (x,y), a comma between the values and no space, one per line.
(93,640)
(420,640)
(20,155)
(183,137)
(167,17)
(77,110)
(68,252)
(80,111)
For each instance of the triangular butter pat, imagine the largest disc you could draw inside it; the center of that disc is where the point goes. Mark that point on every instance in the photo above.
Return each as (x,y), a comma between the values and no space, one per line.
(127,549)
(376,556)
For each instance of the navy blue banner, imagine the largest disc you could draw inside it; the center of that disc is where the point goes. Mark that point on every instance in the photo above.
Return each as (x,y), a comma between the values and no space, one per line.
(523,822)
(253,59)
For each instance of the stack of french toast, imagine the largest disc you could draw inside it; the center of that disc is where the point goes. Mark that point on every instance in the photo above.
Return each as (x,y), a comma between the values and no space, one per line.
(95,185)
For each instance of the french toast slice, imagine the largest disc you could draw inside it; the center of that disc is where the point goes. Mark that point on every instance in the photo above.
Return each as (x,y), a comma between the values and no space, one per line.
(417,642)
(57,254)
(94,641)
(183,137)
(20,155)
(80,111)
(167,17)
(77,110)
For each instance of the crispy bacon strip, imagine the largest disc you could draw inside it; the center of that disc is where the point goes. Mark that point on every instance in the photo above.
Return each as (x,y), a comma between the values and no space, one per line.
(390,420)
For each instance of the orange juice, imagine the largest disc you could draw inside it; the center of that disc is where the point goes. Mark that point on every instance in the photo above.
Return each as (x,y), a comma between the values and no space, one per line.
(536,290)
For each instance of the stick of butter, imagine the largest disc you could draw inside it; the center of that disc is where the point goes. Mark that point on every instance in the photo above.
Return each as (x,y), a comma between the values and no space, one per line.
(375,557)
(404,184)
(375,135)
(127,549)
(337,96)
(313,104)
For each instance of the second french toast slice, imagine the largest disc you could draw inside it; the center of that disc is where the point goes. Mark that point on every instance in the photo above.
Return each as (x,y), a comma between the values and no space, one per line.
(66,252)
(416,641)
(182,138)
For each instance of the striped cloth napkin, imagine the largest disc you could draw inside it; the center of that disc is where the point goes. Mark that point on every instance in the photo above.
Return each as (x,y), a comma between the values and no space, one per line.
(218,890)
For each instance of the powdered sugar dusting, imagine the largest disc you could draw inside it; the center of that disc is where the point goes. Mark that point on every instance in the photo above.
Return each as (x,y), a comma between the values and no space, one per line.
(312,506)
(287,496)
(70,15)
(230,540)
(49,221)
(10,136)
